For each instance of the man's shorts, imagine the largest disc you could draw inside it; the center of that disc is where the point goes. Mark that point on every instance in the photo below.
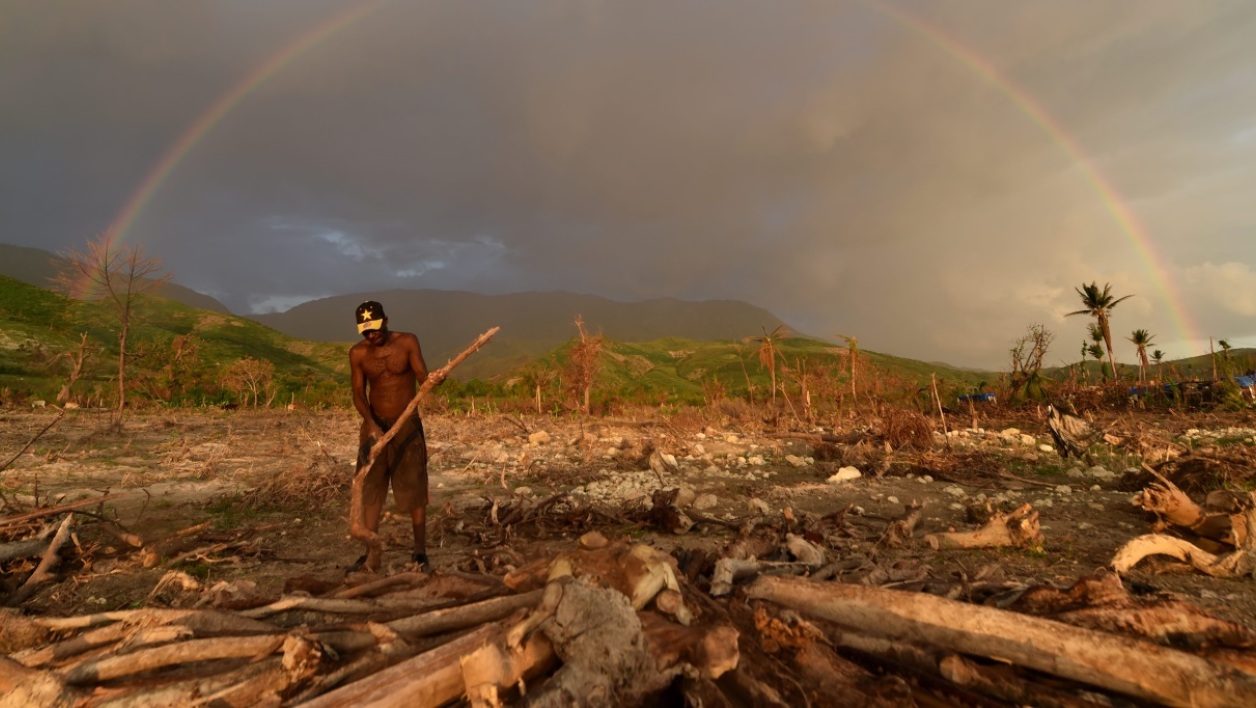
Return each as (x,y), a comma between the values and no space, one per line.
(402,464)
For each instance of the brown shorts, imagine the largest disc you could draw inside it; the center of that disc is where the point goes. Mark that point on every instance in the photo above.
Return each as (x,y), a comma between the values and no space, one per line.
(402,465)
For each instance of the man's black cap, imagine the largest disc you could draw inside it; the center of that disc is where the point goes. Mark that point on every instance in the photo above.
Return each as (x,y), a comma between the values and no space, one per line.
(370,315)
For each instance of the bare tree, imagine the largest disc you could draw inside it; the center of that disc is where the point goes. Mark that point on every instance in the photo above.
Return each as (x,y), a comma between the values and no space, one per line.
(585,356)
(1028,354)
(852,344)
(249,378)
(77,359)
(115,274)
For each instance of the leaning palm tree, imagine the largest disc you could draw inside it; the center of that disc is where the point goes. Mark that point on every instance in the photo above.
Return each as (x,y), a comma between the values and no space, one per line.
(1098,304)
(1142,339)
(768,349)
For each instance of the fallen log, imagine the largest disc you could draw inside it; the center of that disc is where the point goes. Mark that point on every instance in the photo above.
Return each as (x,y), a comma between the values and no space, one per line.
(21,687)
(357,510)
(432,678)
(1017,528)
(195,650)
(1130,666)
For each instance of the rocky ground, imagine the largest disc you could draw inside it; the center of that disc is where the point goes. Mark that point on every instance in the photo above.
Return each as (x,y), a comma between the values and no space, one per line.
(189,509)
(267,494)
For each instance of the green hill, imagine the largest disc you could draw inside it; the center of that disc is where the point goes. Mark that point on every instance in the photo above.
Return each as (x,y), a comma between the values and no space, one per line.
(179,356)
(178,353)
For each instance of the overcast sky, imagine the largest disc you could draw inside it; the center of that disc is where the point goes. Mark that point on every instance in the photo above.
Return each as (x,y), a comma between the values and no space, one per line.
(931,176)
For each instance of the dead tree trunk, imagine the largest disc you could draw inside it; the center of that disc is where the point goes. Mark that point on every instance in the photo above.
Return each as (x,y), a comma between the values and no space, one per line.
(1113,662)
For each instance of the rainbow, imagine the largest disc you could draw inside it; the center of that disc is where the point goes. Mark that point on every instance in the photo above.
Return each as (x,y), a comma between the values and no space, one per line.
(1141,240)
(220,108)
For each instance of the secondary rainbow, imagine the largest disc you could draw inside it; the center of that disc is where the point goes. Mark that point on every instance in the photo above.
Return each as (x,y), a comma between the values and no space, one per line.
(1130,226)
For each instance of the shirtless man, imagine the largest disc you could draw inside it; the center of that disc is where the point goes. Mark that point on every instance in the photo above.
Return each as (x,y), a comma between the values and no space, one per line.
(387,368)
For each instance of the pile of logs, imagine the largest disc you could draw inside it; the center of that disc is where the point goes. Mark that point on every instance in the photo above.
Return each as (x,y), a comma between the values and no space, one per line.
(616,623)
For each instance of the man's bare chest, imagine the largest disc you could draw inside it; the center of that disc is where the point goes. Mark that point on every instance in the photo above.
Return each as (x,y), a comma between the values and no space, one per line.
(385,362)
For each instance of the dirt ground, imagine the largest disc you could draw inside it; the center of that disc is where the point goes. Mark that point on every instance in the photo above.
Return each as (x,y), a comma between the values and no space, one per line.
(273,487)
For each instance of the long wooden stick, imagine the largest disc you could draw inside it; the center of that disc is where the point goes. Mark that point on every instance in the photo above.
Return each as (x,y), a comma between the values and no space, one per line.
(357,509)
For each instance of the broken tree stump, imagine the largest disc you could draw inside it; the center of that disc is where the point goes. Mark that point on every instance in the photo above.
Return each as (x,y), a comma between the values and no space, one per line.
(1019,527)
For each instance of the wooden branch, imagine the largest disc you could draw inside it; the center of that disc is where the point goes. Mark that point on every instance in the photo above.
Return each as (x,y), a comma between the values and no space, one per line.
(1017,528)
(60,414)
(357,527)
(463,616)
(43,571)
(54,510)
(1131,666)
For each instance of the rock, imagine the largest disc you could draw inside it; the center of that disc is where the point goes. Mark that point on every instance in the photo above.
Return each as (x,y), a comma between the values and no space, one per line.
(760,506)
(705,501)
(540,437)
(1075,473)
(845,474)
(523,491)
(1063,489)
(684,497)
(1098,472)
(1045,448)
(957,492)
(662,462)
(796,461)
(1027,440)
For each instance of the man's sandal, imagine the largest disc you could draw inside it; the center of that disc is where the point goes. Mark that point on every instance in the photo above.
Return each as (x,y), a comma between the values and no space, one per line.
(356,565)
(421,560)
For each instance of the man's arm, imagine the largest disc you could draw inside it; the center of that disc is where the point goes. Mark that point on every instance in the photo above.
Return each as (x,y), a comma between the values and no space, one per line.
(357,376)
(417,364)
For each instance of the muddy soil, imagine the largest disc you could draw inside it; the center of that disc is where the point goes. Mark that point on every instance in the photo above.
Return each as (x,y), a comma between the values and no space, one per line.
(274,488)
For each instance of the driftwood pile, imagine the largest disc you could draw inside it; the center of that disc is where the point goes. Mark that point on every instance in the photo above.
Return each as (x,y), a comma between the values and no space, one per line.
(618,623)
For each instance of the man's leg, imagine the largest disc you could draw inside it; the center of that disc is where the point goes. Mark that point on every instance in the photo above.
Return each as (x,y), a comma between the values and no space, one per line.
(418,519)
(372,510)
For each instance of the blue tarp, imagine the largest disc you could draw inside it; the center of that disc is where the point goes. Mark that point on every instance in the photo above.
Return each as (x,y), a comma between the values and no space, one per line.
(986,397)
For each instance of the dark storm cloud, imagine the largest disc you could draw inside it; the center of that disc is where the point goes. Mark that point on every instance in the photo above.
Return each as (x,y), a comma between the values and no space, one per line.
(827,160)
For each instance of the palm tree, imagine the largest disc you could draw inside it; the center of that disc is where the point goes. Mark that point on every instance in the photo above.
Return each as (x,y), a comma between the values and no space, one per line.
(768,347)
(1158,357)
(1098,304)
(1142,339)
(1096,351)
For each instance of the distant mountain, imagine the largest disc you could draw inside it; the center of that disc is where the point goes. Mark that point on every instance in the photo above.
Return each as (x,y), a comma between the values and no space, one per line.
(532,324)
(35,266)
